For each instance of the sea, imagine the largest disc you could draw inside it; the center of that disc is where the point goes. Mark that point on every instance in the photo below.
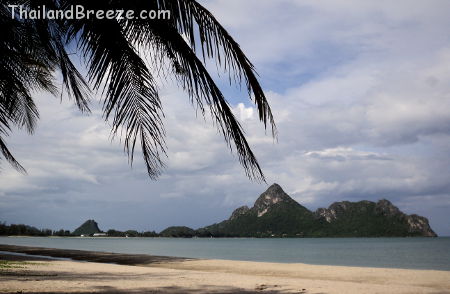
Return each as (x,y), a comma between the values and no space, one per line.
(407,253)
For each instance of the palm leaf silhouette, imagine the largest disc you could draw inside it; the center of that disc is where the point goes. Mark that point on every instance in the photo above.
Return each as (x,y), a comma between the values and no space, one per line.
(112,50)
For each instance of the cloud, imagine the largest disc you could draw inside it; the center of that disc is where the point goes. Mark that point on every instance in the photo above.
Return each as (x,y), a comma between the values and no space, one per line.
(360,93)
(344,154)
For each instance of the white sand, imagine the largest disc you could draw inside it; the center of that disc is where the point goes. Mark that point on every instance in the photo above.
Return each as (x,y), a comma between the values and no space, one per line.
(217,276)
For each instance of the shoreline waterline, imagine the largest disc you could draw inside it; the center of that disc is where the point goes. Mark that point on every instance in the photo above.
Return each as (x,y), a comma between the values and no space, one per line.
(402,253)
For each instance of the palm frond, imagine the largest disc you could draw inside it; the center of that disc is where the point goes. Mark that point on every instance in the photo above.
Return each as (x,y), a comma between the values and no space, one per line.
(131,97)
(34,49)
(196,80)
(189,17)
(31,51)
(4,129)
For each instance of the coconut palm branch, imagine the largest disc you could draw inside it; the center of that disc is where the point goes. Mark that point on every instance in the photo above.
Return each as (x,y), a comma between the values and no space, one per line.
(113,52)
(22,69)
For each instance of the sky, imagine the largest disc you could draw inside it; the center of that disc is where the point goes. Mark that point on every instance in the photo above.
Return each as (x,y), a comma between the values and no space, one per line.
(360,91)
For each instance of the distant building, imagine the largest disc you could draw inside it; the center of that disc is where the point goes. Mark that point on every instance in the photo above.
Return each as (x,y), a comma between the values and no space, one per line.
(100,235)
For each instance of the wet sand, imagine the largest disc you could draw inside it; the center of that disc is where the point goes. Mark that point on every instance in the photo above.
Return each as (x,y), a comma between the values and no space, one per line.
(137,273)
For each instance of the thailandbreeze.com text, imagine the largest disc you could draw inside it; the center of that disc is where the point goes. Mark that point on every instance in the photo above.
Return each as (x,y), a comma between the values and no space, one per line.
(80,12)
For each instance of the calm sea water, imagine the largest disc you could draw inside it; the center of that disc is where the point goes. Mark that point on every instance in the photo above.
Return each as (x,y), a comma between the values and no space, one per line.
(414,253)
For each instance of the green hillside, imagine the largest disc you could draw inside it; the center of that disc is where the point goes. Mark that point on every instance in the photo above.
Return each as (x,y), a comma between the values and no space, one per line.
(275,214)
(178,232)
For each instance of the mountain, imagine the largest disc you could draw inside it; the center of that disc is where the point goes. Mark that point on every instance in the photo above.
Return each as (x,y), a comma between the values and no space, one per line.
(89,227)
(276,214)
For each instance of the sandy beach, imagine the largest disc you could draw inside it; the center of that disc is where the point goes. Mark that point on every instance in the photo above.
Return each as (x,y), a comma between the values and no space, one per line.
(134,273)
